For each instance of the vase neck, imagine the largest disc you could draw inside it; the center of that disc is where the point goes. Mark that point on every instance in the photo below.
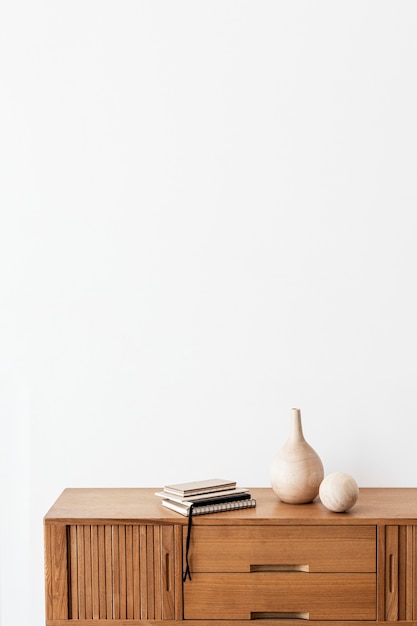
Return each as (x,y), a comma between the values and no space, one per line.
(296,429)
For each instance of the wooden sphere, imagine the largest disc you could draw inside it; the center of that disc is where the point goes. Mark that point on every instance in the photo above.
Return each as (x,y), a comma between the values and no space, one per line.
(338,492)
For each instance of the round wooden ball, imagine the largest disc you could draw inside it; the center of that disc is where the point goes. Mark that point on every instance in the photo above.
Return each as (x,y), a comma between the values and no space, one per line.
(338,492)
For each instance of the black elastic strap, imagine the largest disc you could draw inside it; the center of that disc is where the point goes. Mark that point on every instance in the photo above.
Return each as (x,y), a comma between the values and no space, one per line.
(187,545)
(200,503)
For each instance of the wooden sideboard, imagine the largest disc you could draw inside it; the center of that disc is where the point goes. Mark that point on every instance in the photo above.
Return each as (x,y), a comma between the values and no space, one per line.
(116,557)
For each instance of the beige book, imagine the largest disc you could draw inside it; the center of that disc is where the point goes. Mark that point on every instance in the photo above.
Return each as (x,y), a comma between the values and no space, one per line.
(200,486)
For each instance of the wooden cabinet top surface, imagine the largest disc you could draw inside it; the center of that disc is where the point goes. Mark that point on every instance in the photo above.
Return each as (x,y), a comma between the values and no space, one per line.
(141,505)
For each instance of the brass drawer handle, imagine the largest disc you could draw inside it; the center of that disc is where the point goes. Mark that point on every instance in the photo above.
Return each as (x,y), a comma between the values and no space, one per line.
(280,615)
(275,567)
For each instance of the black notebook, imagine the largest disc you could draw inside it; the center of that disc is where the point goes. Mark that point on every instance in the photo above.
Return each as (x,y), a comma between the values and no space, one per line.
(212,505)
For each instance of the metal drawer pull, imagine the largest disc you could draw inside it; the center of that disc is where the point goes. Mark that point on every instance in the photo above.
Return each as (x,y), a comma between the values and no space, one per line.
(292,567)
(280,615)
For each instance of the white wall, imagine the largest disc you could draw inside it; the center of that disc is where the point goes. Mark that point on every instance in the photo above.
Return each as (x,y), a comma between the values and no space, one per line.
(208,216)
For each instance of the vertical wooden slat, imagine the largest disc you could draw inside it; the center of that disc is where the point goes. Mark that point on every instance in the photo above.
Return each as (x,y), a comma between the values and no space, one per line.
(136,572)
(414,583)
(94,572)
(409,573)
(391,573)
(157,564)
(116,573)
(143,568)
(402,571)
(122,571)
(178,568)
(88,572)
(129,572)
(167,594)
(81,572)
(74,592)
(380,572)
(150,572)
(101,572)
(108,540)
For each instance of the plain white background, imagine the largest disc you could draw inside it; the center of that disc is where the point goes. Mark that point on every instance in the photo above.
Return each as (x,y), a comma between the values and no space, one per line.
(208,216)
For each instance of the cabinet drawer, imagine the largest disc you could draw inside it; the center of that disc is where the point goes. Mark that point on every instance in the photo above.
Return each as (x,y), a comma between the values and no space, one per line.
(297,548)
(280,595)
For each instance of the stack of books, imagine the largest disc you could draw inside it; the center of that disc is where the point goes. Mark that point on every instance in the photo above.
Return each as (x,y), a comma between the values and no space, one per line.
(214,495)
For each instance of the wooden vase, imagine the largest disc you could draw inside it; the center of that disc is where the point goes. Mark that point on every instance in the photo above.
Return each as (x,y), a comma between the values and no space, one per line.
(296,470)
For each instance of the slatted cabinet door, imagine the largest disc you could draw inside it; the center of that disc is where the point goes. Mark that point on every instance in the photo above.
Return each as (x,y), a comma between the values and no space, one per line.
(113,571)
(401,573)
